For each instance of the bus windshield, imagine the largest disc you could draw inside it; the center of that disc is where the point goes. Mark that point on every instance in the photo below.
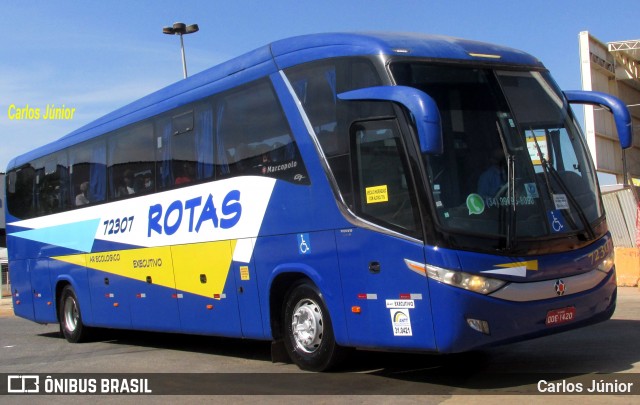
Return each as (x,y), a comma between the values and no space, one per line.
(514,165)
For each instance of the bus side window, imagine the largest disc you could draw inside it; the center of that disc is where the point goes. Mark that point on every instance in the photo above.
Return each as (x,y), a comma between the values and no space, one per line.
(131,161)
(87,164)
(20,185)
(253,137)
(52,182)
(185,147)
(384,192)
(316,85)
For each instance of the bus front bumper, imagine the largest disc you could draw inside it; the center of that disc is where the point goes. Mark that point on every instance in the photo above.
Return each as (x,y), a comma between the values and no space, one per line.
(464,320)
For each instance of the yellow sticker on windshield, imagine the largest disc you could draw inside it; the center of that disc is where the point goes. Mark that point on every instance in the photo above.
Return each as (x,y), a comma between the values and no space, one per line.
(377,194)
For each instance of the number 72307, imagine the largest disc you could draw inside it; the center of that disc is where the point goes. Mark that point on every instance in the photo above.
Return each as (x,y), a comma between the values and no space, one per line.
(118,225)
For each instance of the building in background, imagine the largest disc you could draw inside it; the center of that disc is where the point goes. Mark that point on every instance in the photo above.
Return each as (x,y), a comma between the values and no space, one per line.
(612,68)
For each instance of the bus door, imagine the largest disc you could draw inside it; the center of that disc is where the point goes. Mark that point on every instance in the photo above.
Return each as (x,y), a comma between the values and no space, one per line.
(244,270)
(387,303)
(20,276)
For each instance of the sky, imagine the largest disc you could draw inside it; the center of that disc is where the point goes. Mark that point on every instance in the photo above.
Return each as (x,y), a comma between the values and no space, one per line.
(95,57)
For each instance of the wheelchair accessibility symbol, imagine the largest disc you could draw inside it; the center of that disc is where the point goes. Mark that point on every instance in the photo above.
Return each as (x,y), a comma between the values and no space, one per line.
(556,220)
(304,243)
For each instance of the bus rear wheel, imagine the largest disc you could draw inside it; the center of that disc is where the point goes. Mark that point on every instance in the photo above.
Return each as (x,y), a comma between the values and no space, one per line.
(308,332)
(71,326)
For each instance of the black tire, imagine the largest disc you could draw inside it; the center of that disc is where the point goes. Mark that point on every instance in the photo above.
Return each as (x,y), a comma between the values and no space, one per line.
(70,317)
(311,345)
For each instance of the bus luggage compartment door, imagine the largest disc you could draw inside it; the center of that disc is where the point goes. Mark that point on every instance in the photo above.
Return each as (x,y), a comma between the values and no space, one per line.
(44,308)
(20,276)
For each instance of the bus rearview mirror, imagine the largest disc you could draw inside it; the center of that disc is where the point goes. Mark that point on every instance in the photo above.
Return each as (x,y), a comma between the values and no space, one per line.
(422,107)
(617,107)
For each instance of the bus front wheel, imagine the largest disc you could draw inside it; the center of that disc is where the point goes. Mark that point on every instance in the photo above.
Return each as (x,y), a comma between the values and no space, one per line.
(71,325)
(308,333)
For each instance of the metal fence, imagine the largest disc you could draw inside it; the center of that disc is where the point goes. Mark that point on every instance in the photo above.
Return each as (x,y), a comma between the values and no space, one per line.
(621,207)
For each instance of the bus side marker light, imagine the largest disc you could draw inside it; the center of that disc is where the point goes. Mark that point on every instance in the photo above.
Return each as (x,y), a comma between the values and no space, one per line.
(417,267)
(209,306)
(141,295)
(411,296)
(49,303)
(356,309)
(115,304)
(479,325)
(17,302)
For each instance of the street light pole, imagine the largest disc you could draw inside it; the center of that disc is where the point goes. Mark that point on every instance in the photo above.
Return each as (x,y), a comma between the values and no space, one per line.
(181,29)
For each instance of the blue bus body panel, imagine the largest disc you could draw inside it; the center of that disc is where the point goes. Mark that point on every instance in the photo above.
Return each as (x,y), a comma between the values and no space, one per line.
(44,310)
(393,303)
(281,254)
(20,276)
(248,295)
(78,277)
(110,300)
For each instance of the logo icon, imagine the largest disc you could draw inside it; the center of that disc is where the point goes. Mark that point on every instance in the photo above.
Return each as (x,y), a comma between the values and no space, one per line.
(532,190)
(23,384)
(304,243)
(475,204)
(556,221)
(560,287)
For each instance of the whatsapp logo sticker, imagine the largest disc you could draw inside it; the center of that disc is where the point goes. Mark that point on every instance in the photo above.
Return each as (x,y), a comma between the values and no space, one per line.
(475,204)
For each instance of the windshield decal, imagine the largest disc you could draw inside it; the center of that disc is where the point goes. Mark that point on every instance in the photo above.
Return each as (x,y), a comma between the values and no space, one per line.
(506,201)
(532,190)
(475,204)
(532,146)
(556,221)
(377,194)
(560,201)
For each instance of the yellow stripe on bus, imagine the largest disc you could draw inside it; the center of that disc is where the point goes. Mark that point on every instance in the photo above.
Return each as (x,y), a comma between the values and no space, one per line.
(200,268)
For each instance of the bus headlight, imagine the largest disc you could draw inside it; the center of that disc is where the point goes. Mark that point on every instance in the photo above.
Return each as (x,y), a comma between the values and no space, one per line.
(607,264)
(471,282)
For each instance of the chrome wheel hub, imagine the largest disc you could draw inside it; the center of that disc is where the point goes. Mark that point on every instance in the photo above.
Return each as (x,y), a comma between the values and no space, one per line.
(307,326)
(71,314)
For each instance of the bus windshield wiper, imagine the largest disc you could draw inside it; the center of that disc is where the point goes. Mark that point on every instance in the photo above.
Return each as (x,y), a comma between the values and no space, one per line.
(549,169)
(511,212)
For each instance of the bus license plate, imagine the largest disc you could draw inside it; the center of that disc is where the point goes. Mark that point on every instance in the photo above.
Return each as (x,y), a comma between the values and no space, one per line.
(562,315)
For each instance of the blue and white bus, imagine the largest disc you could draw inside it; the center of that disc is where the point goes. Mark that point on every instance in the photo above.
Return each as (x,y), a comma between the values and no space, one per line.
(388,191)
